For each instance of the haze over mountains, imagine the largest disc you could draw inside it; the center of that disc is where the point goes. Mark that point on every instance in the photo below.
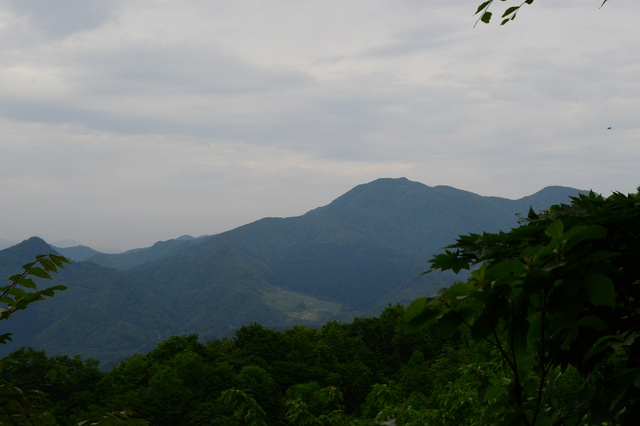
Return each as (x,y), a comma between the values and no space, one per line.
(349,258)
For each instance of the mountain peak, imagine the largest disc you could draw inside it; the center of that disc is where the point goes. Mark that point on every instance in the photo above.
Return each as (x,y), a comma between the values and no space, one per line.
(33,243)
(25,251)
(550,194)
(378,193)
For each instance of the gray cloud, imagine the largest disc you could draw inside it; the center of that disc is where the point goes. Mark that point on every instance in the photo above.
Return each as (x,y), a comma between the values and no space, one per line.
(60,19)
(131,122)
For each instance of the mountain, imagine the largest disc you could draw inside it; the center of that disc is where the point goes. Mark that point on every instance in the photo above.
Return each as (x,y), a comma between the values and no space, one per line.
(77,253)
(351,257)
(12,258)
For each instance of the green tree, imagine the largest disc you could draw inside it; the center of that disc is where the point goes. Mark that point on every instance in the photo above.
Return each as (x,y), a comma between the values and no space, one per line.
(18,407)
(167,397)
(311,401)
(559,291)
(67,384)
(261,385)
(246,411)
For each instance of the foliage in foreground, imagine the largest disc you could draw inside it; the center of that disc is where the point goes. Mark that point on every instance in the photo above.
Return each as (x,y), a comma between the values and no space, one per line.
(23,290)
(557,295)
(15,402)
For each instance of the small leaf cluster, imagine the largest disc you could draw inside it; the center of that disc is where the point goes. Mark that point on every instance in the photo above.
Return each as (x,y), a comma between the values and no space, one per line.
(508,15)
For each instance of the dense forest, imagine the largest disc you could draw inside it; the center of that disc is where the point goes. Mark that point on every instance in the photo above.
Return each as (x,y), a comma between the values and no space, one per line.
(544,331)
(358,372)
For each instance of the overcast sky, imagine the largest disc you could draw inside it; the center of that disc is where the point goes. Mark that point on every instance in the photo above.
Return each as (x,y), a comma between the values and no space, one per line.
(128,122)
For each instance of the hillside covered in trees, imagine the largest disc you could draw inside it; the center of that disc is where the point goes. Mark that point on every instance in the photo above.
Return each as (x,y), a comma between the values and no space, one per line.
(353,257)
(340,371)
(544,331)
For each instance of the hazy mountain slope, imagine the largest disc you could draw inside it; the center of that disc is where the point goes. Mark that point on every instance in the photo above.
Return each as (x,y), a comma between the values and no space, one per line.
(109,315)
(102,314)
(370,243)
(132,258)
(12,258)
(77,253)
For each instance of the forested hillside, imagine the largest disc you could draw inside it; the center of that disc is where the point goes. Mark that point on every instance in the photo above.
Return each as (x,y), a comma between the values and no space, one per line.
(362,252)
(543,331)
(343,373)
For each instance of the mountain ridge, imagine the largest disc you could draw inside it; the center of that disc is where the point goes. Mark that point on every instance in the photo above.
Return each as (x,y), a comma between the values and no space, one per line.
(357,254)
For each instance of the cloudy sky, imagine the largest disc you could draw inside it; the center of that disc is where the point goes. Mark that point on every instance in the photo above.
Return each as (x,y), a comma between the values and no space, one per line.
(128,122)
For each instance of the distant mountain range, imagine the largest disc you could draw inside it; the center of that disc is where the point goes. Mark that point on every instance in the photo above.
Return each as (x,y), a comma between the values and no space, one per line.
(353,257)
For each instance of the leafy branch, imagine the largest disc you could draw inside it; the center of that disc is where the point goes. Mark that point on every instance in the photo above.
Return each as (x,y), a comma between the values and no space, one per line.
(17,295)
(558,291)
(508,15)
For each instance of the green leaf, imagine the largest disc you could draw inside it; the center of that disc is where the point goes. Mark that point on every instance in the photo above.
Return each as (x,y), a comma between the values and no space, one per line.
(17,293)
(483,6)
(554,264)
(600,290)
(58,260)
(448,325)
(486,17)
(591,321)
(449,260)
(48,265)
(582,233)
(602,344)
(555,229)
(28,283)
(458,291)
(629,337)
(495,391)
(50,291)
(419,313)
(599,256)
(39,272)
(569,338)
(510,10)
(7,301)
(507,267)
(5,337)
